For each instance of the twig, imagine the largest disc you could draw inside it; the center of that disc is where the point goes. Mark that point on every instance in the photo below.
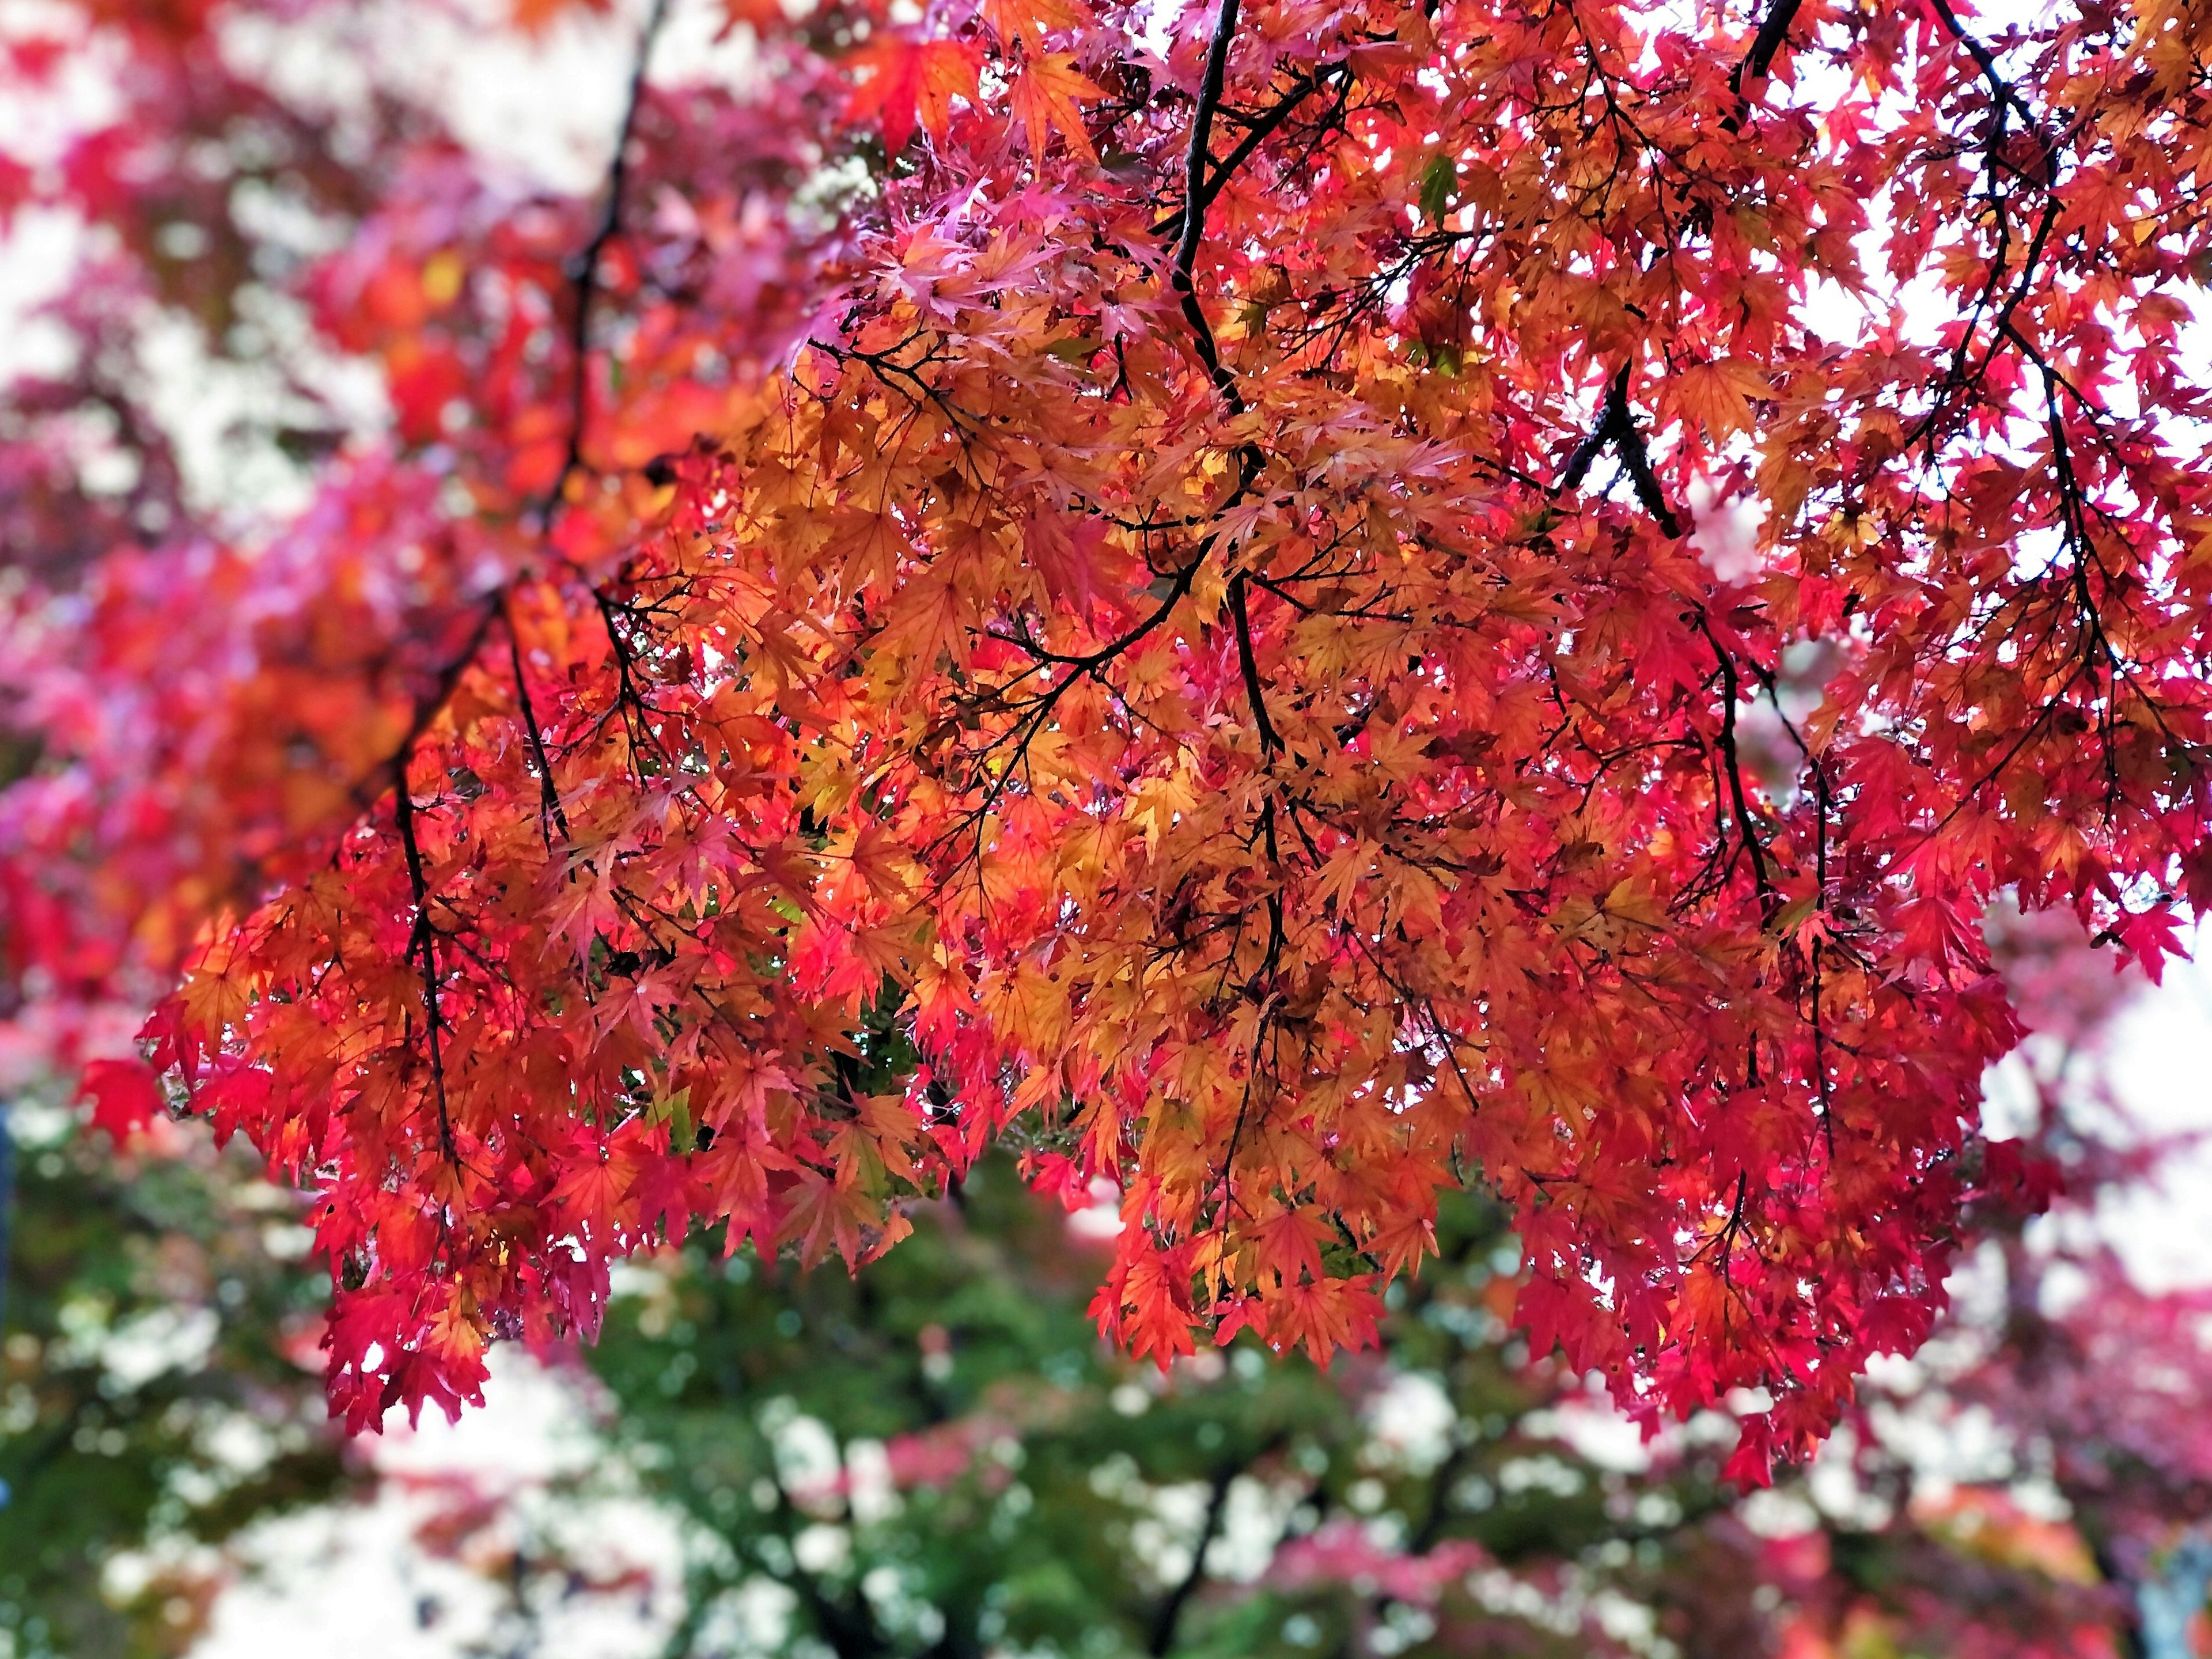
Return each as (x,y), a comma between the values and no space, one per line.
(422,942)
(584,270)
(551,812)
(1747,829)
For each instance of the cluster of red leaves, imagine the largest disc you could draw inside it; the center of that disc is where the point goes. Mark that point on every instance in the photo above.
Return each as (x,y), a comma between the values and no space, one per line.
(1119,634)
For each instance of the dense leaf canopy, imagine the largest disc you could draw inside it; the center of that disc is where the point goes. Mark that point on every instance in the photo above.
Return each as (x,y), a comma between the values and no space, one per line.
(1282,607)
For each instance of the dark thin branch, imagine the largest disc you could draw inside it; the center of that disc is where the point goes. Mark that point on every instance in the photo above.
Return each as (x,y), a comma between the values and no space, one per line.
(1257,133)
(422,945)
(1588,451)
(427,707)
(1170,1612)
(848,1629)
(1271,742)
(1194,202)
(1773,33)
(1637,457)
(2000,89)
(1747,831)
(584,270)
(550,814)
(1616,429)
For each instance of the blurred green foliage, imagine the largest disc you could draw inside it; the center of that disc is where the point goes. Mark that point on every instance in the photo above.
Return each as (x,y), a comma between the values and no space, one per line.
(148,1406)
(940,1457)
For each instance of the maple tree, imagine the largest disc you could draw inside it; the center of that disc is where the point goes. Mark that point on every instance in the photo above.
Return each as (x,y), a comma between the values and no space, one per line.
(1286,607)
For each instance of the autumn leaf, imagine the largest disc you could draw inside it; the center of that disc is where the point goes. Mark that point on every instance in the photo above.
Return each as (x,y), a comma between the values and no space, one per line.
(837,1213)
(1044,96)
(125,1096)
(902,81)
(1718,395)
(1030,21)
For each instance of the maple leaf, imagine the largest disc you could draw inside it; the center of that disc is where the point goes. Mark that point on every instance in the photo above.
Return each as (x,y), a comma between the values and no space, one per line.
(1718,395)
(1289,1243)
(1321,1315)
(1146,1305)
(901,81)
(215,994)
(926,622)
(125,1096)
(589,1193)
(827,1213)
(1030,21)
(1045,95)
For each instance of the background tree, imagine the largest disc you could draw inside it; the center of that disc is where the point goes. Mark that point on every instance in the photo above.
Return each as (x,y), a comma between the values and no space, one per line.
(153,1400)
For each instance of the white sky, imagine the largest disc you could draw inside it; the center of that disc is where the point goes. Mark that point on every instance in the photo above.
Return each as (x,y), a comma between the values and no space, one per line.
(2162,1062)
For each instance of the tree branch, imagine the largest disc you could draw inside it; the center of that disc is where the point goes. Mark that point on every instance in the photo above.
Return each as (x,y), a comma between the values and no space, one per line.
(1773,31)
(1271,742)
(1162,1641)
(1261,128)
(422,942)
(1747,830)
(1195,198)
(2000,89)
(550,813)
(849,1630)
(1616,429)
(584,270)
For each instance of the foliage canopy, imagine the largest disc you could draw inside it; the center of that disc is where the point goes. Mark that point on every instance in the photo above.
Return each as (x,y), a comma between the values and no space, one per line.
(1280,606)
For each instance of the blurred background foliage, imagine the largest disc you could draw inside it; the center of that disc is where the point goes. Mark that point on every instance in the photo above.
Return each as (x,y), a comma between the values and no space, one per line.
(153,1400)
(941,1458)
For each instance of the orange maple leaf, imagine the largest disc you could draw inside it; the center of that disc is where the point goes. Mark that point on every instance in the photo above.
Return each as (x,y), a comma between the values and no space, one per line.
(1029,20)
(1044,102)
(1718,395)
(826,1212)
(904,80)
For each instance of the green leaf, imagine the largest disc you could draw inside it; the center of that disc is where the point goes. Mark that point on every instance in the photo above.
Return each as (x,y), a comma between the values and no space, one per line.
(1438,181)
